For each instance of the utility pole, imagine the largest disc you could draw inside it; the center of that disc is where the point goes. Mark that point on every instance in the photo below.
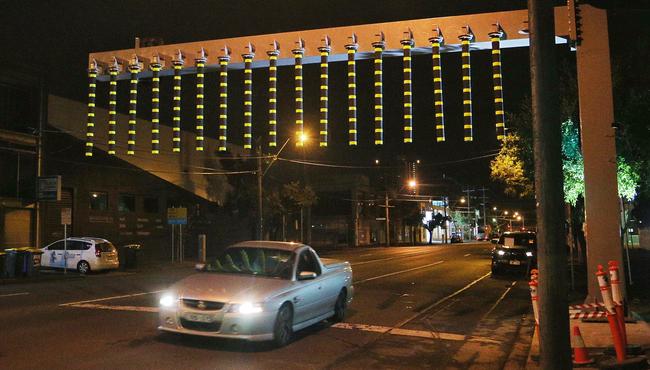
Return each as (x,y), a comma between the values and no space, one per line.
(555,350)
(387,221)
(484,199)
(260,210)
(446,199)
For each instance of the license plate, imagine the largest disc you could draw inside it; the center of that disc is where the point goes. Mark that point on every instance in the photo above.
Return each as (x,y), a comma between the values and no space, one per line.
(515,262)
(198,317)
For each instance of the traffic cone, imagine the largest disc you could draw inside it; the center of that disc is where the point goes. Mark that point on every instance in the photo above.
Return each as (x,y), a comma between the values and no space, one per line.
(580,353)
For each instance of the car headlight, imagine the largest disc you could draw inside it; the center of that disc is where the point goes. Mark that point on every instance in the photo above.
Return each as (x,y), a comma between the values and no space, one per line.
(501,252)
(245,308)
(529,254)
(168,300)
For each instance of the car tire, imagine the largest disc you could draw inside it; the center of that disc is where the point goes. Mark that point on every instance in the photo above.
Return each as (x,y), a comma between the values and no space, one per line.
(83,267)
(496,270)
(340,307)
(283,327)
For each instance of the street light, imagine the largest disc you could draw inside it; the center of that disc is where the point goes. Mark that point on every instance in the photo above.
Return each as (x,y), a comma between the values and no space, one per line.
(412,183)
(462,200)
(494,208)
(505,213)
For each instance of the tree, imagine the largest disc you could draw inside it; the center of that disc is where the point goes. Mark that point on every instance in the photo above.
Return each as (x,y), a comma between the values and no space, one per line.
(508,167)
(436,221)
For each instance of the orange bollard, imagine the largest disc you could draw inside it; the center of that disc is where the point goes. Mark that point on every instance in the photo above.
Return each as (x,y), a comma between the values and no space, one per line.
(534,298)
(617,297)
(580,352)
(534,273)
(611,314)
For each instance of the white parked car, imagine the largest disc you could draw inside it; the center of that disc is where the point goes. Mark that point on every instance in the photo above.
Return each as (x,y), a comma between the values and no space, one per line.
(258,290)
(83,254)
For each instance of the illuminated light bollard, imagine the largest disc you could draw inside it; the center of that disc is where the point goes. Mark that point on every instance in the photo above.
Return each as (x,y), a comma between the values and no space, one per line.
(223,100)
(407,44)
(499,113)
(300,128)
(379,47)
(176,104)
(273,96)
(112,107)
(611,314)
(467,85)
(438,104)
(155,67)
(134,68)
(200,98)
(352,92)
(617,297)
(324,92)
(90,120)
(248,98)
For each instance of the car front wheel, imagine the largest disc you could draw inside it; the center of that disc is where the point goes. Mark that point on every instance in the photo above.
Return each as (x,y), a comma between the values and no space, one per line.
(83,267)
(340,307)
(283,328)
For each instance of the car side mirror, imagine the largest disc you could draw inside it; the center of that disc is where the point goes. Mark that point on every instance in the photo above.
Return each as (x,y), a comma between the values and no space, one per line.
(306,275)
(199,267)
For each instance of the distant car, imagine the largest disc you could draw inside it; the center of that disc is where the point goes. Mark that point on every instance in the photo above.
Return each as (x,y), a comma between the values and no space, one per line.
(84,254)
(514,250)
(258,291)
(456,238)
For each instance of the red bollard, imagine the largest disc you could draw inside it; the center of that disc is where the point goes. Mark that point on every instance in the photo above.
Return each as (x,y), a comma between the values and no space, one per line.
(611,315)
(617,297)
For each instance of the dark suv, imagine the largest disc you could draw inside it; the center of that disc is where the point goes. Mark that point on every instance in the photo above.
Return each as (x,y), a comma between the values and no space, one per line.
(514,251)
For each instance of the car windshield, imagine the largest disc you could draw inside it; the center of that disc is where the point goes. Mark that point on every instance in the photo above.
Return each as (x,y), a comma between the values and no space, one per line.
(518,240)
(266,262)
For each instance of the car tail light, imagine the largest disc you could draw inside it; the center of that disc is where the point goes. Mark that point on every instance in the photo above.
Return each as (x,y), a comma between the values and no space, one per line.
(98,252)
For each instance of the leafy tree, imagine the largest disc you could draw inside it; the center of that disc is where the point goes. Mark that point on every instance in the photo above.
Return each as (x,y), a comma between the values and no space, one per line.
(438,220)
(508,167)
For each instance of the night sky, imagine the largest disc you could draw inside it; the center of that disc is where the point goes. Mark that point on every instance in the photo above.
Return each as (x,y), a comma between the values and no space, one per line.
(55,38)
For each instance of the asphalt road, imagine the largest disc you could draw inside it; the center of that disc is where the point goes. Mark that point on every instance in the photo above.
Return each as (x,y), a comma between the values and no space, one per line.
(415,307)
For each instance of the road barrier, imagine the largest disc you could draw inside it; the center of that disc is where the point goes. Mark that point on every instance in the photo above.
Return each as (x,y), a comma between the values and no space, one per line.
(580,352)
(586,315)
(612,318)
(617,297)
(586,306)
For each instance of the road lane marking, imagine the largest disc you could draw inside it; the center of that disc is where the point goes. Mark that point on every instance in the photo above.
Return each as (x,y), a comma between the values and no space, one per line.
(414,333)
(397,273)
(467,255)
(367,254)
(109,298)
(441,301)
(116,308)
(13,294)
(404,255)
(498,301)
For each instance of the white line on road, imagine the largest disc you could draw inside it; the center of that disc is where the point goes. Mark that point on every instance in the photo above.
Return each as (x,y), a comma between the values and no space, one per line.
(499,300)
(13,294)
(109,298)
(397,273)
(414,333)
(404,255)
(441,301)
(467,255)
(116,308)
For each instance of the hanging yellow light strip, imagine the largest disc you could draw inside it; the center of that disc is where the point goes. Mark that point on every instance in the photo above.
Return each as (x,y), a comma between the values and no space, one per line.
(300,128)
(438,104)
(407,44)
(467,84)
(90,120)
(200,98)
(134,68)
(352,91)
(499,113)
(248,97)
(324,90)
(155,67)
(379,47)
(176,103)
(223,99)
(273,94)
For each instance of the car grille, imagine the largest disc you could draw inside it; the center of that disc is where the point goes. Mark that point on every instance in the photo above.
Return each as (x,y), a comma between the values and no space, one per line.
(203,305)
(200,326)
